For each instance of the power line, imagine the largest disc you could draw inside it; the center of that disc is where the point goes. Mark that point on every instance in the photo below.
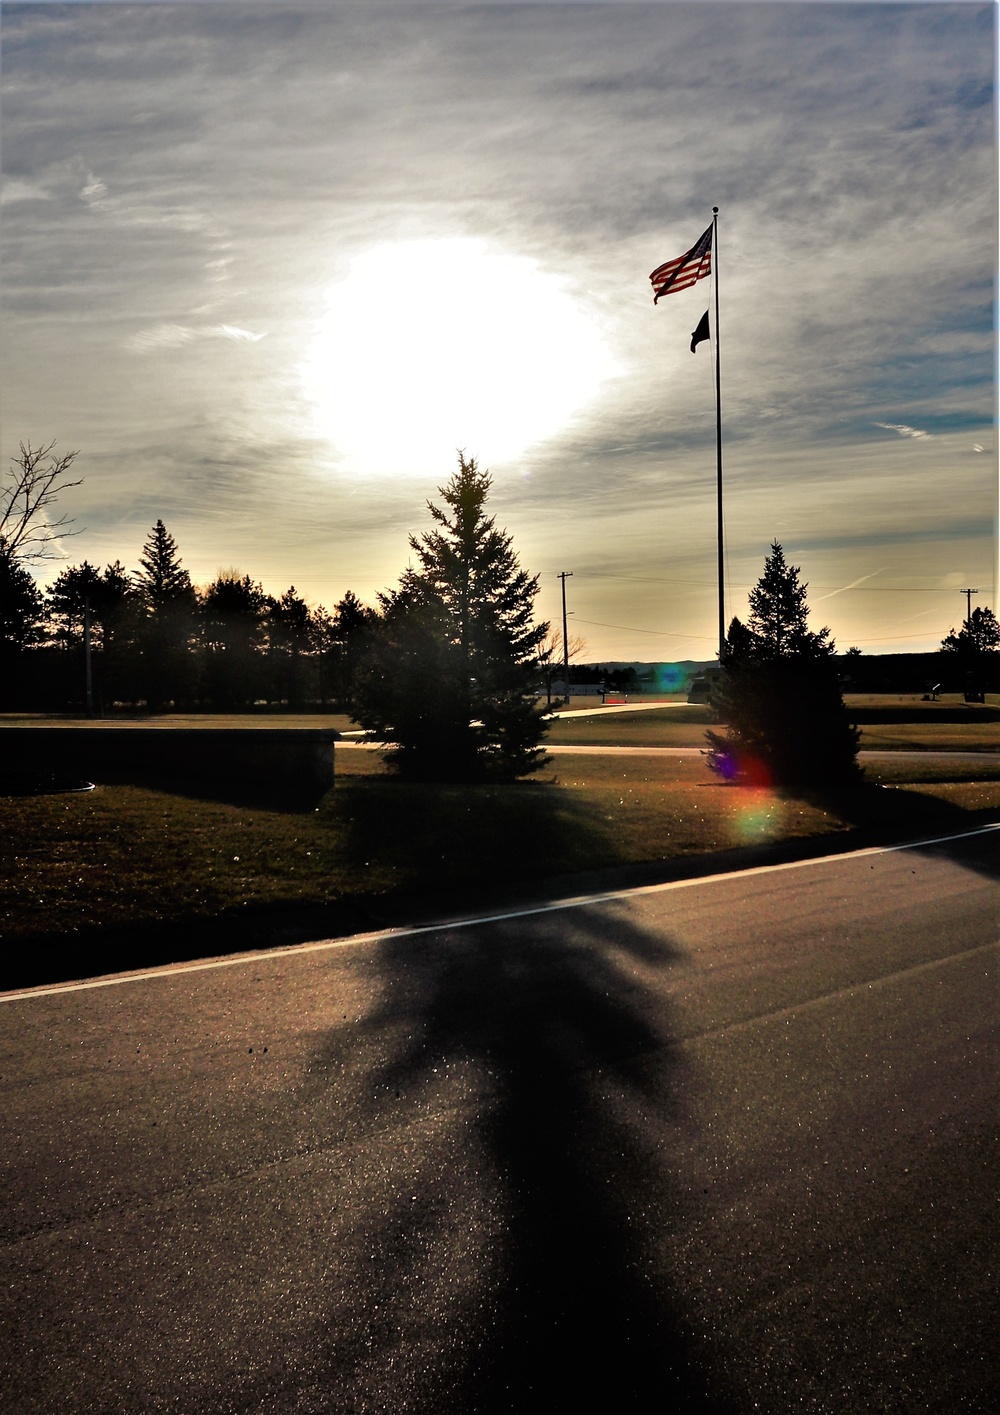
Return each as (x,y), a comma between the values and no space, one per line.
(844,589)
(628,629)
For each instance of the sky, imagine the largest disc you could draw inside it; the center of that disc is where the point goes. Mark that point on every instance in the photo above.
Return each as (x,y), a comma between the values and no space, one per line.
(268,266)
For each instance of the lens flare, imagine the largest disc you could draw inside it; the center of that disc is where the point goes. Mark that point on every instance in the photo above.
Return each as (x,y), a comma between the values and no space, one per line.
(758,808)
(758,815)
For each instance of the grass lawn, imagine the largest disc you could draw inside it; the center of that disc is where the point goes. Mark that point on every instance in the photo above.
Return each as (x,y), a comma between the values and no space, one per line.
(325,721)
(124,860)
(948,725)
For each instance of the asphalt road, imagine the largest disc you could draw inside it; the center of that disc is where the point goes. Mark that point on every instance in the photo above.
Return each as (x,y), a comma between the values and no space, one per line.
(718,1146)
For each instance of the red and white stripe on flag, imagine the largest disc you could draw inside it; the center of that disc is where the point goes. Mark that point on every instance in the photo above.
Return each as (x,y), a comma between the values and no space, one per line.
(685,270)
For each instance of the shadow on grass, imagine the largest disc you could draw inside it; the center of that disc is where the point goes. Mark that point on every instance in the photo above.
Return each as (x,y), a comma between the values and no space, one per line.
(888,815)
(407,849)
(259,795)
(460,837)
(531,1222)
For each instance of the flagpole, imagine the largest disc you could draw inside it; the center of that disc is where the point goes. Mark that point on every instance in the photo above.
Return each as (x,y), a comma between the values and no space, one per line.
(718,436)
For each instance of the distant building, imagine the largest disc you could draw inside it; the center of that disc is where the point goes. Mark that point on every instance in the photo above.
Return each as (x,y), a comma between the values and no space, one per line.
(701,687)
(577,690)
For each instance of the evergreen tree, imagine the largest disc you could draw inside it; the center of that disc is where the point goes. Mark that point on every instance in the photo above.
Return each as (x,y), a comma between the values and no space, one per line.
(234,611)
(166,636)
(67,599)
(162,582)
(778,693)
(113,610)
(979,634)
(339,641)
(289,635)
(449,675)
(116,605)
(21,607)
(975,646)
(779,614)
(21,627)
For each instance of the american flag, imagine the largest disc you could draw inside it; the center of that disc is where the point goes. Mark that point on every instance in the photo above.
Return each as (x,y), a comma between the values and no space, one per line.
(685,270)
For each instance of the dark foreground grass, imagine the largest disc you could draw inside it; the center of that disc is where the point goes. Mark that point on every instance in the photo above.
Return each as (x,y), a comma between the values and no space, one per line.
(124,876)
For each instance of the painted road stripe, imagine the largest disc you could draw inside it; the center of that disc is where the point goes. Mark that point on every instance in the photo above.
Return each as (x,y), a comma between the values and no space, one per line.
(417,930)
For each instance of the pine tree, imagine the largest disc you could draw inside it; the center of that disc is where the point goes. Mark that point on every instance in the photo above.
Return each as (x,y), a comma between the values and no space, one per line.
(975,646)
(779,614)
(979,634)
(289,633)
(166,636)
(234,611)
(778,693)
(449,675)
(21,620)
(163,582)
(66,601)
(21,607)
(339,641)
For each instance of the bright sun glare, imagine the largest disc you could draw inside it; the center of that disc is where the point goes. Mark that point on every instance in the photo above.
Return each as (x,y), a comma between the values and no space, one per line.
(431,345)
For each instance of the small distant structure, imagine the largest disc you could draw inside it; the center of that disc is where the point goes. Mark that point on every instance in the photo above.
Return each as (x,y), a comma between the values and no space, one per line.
(931,696)
(702,686)
(577,690)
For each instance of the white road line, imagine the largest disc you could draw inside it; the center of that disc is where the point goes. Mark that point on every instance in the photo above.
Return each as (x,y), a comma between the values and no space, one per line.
(417,930)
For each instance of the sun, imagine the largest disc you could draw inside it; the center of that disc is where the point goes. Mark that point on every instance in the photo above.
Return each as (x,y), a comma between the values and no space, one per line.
(430,345)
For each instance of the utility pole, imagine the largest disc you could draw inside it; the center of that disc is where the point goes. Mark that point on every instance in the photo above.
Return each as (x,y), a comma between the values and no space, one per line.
(565,575)
(968,607)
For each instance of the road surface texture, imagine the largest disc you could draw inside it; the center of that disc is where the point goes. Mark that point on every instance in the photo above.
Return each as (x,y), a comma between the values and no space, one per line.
(721,1146)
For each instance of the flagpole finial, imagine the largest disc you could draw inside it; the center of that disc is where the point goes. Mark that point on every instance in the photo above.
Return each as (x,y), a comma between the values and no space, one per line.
(715,211)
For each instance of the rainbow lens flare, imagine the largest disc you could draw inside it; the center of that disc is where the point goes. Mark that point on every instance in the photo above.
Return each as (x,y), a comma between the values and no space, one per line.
(759,809)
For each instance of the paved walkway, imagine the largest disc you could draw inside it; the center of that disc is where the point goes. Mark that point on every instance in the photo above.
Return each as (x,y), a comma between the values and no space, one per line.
(559,748)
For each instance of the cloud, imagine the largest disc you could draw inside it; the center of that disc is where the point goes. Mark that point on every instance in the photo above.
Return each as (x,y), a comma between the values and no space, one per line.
(904,430)
(14,190)
(175,336)
(843,139)
(93,190)
(160,336)
(232,331)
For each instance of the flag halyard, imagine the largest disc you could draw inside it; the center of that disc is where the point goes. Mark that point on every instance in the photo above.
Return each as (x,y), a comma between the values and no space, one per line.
(679,274)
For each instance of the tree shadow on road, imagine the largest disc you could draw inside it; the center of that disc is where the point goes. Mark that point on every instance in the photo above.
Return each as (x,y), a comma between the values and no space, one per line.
(534,1229)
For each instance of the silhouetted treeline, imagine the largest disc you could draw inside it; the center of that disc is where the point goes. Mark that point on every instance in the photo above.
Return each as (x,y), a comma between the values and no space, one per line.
(159,643)
(613,680)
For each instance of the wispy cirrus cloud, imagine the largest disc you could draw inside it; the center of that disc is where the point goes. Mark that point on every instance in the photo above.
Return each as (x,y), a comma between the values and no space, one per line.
(175,336)
(904,430)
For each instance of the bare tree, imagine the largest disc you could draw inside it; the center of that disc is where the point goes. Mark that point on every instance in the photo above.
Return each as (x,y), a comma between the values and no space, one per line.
(550,656)
(37,478)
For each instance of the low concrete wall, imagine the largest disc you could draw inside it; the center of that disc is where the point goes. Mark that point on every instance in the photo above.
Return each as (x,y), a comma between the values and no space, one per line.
(293,759)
